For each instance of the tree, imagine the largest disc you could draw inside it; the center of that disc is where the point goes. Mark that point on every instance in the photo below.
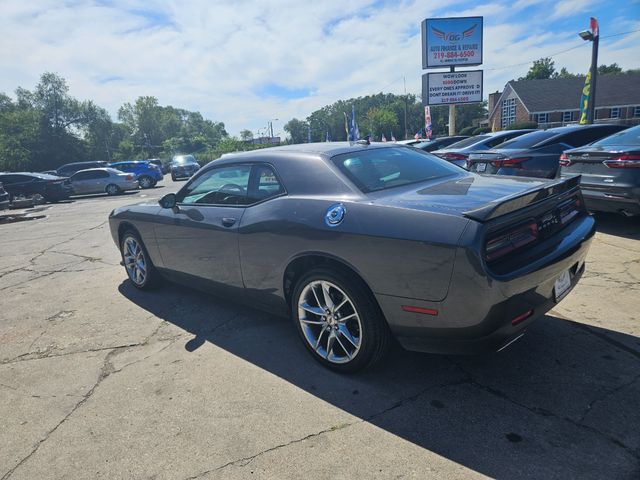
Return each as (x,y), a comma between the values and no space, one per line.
(541,69)
(609,69)
(564,73)
(246,135)
(380,121)
(297,130)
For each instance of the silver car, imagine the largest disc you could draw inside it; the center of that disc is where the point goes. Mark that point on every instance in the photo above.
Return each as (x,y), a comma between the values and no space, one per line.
(102,180)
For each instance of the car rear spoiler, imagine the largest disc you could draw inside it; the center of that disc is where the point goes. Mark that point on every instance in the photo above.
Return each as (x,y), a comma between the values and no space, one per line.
(511,203)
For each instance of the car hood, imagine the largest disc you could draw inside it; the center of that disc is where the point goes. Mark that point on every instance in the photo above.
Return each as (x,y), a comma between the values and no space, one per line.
(457,195)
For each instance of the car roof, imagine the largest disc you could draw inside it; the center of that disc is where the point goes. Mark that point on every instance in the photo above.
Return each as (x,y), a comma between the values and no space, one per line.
(44,176)
(129,161)
(325,149)
(101,169)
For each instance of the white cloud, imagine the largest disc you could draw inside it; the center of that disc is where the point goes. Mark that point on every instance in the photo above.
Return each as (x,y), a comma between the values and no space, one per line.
(223,58)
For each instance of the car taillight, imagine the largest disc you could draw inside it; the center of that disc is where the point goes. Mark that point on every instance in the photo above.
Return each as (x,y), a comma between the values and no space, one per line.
(453,156)
(510,162)
(508,242)
(624,161)
(564,160)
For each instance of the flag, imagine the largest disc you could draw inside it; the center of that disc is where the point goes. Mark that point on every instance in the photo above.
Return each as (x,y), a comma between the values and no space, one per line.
(328,138)
(427,122)
(354,131)
(393,139)
(346,124)
(584,99)
(595,29)
(419,134)
(384,139)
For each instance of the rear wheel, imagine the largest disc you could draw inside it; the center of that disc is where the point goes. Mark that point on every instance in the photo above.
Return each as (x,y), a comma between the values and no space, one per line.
(137,263)
(339,321)
(145,181)
(112,189)
(173,177)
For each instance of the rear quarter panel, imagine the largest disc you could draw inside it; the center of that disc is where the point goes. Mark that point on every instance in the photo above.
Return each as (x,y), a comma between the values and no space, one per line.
(397,251)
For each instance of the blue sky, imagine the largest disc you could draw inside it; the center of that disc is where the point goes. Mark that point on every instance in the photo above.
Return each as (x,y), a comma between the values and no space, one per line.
(246,62)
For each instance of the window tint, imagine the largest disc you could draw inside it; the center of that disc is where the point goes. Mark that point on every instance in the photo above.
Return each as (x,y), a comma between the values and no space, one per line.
(630,136)
(500,139)
(80,176)
(528,140)
(220,186)
(392,167)
(266,184)
(468,141)
(584,136)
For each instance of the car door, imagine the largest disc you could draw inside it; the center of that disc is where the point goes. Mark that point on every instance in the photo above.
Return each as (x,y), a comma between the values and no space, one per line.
(200,236)
(80,182)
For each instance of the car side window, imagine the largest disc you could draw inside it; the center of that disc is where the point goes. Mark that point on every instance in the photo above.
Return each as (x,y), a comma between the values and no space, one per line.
(264,184)
(497,141)
(79,176)
(219,186)
(101,174)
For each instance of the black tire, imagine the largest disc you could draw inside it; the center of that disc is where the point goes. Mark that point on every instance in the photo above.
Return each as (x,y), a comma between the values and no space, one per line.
(152,278)
(173,177)
(375,337)
(145,181)
(112,189)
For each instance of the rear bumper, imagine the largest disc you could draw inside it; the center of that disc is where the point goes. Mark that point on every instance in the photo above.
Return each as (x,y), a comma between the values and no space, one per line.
(128,185)
(478,312)
(613,199)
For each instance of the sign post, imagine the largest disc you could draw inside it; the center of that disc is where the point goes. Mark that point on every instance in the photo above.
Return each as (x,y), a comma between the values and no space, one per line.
(451,42)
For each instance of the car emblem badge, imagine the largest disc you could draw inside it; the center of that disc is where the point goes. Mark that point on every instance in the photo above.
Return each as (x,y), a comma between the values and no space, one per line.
(335,214)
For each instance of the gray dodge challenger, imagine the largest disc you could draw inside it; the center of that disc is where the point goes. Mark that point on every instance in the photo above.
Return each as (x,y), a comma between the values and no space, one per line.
(363,243)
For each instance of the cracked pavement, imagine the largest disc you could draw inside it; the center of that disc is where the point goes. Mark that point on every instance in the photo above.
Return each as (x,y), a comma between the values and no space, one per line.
(98,380)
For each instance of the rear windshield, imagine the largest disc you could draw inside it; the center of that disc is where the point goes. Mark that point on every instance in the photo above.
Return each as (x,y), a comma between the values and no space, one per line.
(382,168)
(528,140)
(468,141)
(625,137)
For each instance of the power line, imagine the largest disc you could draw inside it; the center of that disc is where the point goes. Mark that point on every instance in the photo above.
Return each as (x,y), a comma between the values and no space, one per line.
(562,51)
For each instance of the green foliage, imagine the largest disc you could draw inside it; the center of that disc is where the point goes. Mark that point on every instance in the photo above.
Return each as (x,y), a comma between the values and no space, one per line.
(481,130)
(297,130)
(520,125)
(541,69)
(564,73)
(468,130)
(378,122)
(46,127)
(609,69)
(246,135)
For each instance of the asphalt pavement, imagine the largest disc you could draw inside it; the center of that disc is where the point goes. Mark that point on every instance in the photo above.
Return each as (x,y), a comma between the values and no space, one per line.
(99,380)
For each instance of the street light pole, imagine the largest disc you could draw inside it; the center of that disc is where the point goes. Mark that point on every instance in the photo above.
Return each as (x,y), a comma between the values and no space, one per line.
(592,36)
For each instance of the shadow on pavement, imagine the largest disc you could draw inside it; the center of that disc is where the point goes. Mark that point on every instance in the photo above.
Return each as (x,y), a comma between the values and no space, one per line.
(560,403)
(619,225)
(105,195)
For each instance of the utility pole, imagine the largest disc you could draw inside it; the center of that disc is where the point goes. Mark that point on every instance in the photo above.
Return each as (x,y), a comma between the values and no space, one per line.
(406,134)
(452,113)
(594,77)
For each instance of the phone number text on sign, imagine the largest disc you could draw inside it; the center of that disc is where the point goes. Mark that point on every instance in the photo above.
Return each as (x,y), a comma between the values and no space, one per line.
(452,87)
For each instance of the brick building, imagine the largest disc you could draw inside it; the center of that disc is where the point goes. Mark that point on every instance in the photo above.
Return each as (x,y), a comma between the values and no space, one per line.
(556,102)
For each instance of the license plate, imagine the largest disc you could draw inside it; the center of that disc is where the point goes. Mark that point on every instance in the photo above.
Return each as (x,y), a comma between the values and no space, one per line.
(563,283)
(481,167)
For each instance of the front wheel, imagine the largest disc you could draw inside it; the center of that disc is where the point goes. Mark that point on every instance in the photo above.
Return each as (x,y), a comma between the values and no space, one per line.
(339,321)
(137,263)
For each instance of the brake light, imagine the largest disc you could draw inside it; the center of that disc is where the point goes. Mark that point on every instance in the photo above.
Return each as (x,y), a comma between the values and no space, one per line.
(624,161)
(510,241)
(510,162)
(564,160)
(453,156)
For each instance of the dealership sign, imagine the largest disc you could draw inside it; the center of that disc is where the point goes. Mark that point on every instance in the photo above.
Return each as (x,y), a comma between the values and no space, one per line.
(452,87)
(450,42)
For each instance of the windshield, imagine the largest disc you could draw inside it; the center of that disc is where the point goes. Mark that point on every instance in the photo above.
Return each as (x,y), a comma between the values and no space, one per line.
(382,168)
(528,140)
(182,159)
(468,141)
(625,137)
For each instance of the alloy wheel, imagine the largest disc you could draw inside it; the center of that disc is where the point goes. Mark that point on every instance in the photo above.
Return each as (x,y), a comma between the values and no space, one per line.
(134,260)
(145,182)
(329,321)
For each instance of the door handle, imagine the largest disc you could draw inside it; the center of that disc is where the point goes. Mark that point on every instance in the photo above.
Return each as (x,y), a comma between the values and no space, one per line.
(228,221)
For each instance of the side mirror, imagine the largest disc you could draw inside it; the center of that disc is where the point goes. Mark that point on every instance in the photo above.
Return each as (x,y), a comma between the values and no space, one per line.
(168,201)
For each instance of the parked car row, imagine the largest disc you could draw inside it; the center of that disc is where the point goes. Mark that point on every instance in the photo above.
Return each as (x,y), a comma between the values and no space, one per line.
(607,157)
(83,178)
